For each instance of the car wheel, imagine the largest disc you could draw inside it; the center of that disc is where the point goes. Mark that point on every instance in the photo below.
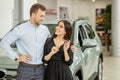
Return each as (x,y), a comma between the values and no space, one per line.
(100,71)
(2,74)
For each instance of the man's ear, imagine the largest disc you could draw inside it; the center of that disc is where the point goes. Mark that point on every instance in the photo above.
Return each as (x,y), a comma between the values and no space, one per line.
(33,15)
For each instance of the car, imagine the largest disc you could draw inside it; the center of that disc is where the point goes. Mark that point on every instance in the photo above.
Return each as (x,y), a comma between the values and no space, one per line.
(88,57)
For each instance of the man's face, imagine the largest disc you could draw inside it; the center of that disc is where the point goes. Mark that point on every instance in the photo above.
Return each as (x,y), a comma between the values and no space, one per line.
(39,17)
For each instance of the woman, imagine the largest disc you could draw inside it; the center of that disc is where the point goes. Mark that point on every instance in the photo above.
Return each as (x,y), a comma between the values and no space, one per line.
(57,53)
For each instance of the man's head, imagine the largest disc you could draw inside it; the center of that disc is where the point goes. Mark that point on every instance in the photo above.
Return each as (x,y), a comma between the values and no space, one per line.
(37,13)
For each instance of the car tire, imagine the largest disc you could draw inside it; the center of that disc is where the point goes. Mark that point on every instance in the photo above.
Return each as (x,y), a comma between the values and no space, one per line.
(2,74)
(100,71)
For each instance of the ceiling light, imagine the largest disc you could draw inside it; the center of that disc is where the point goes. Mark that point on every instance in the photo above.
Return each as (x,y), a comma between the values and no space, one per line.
(93,0)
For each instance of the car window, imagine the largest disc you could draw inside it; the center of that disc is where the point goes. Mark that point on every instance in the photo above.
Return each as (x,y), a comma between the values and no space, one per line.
(89,31)
(82,32)
(79,38)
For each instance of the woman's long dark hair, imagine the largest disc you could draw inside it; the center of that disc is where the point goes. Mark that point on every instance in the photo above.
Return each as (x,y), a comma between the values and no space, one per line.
(68,29)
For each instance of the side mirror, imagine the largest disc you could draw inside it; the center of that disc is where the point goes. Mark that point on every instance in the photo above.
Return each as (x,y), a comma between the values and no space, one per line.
(89,43)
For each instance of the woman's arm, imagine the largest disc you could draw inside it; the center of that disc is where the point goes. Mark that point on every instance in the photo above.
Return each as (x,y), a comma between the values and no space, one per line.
(67,58)
(68,54)
(48,57)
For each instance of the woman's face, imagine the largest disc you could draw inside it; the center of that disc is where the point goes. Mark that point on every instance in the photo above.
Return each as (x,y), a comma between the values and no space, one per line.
(60,29)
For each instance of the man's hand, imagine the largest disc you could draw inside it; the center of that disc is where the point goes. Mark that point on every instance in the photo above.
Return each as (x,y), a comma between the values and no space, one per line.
(73,48)
(24,58)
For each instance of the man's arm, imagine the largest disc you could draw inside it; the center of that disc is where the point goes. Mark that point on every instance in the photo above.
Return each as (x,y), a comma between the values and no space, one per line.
(9,38)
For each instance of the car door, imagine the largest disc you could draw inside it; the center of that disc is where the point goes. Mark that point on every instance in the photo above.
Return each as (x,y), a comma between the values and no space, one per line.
(85,61)
(92,57)
(87,51)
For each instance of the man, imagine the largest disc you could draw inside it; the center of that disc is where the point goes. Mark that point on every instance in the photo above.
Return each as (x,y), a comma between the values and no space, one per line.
(30,38)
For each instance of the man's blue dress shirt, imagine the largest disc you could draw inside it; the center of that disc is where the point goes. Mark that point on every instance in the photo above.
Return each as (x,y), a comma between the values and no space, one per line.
(29,39)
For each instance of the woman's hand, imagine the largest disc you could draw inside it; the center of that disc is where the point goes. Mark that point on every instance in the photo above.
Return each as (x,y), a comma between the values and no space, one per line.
(54,49)
(66,45)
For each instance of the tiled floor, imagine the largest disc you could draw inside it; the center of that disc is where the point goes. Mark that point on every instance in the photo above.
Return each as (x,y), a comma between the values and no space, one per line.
(111,67)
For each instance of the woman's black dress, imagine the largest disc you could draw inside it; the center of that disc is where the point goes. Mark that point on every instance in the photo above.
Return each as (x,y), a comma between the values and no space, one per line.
(57,68)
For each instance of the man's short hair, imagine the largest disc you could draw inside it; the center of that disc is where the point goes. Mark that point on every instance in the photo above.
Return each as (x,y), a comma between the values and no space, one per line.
(36,7)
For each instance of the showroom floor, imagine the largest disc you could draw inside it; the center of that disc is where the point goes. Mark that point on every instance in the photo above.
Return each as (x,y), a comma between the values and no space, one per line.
(111,66)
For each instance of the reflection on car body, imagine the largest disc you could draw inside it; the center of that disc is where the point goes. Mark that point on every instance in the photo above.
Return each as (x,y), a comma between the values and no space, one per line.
(87,62)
